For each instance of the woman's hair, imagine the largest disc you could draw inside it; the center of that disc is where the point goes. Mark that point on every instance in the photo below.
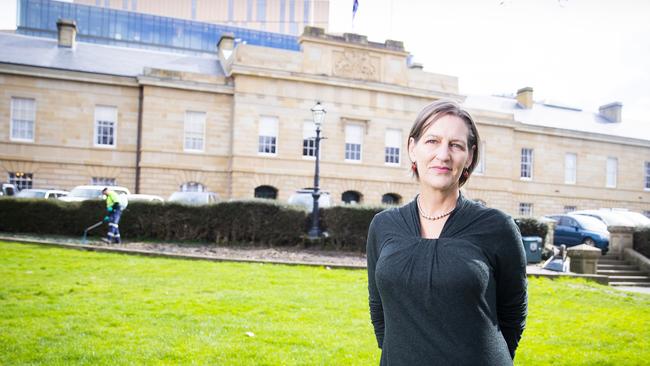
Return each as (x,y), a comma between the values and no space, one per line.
(435,111)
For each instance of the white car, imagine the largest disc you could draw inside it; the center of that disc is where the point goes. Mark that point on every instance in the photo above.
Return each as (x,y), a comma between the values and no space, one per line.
(609,217)
(136,197)
(83,193)
(194,198)
(304,199)
(41,193)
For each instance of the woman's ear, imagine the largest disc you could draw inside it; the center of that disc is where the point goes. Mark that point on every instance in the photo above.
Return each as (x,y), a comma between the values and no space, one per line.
(411,148)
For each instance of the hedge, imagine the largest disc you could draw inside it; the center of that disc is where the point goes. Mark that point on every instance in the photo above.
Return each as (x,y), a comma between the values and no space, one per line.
(642,240)
(255,222)
(260,222)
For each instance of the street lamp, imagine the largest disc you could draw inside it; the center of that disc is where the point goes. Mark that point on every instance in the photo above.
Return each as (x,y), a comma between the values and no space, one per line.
(318,114)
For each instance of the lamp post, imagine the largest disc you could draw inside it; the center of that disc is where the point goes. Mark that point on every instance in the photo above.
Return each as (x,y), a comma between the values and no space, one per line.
(318,114)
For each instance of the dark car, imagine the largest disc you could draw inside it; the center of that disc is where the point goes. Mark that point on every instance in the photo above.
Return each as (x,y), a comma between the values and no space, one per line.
(580,229)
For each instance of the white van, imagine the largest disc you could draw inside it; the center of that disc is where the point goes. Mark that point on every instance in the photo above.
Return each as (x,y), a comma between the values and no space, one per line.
(83,193)
(304,199)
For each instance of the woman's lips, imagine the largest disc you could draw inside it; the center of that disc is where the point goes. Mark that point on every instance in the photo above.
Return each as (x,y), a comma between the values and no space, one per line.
(441,169)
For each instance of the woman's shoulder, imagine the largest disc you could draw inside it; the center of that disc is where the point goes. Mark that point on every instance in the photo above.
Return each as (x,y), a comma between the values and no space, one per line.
(392,216)
(489,216)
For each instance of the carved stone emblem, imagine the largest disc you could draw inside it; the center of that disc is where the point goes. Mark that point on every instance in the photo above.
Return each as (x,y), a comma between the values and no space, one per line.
(356,65)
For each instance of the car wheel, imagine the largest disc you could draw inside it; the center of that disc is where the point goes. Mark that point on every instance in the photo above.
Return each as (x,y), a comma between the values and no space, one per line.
(589,241)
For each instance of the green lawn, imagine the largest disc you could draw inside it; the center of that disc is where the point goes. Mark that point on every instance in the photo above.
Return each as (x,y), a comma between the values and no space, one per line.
(61,307)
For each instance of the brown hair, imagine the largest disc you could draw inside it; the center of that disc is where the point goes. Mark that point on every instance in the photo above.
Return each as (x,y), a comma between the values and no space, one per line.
(435,111)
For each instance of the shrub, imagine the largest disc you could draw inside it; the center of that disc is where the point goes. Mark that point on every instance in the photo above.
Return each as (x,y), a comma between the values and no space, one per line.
(347,226)
(529,226)
(642,240)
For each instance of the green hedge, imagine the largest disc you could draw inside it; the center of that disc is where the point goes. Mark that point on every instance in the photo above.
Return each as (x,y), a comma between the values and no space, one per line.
(240,222)
(642,240)
(256,221)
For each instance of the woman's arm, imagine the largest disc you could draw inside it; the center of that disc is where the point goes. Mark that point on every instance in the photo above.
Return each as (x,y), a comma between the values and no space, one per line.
(512,297)
(374,300)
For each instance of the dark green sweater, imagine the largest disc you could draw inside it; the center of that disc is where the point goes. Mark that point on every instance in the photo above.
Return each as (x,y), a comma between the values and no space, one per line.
(457,300)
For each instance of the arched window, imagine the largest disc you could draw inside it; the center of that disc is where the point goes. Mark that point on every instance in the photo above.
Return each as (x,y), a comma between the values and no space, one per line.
(267,192)
(391,199)
(192,187)
(351,197)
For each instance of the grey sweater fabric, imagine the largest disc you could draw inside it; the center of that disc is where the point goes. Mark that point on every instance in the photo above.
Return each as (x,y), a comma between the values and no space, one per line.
(457,300)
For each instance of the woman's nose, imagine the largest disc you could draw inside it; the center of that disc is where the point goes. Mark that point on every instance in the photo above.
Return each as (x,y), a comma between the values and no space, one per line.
(442,153)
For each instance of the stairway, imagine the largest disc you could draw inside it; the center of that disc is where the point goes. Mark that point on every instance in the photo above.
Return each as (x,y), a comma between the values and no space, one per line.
(621,272)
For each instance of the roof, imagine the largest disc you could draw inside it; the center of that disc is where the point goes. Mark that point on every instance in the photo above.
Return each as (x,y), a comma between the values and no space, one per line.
(101,59)
(558,116)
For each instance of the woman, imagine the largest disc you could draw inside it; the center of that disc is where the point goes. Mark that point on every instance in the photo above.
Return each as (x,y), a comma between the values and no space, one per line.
(446,276)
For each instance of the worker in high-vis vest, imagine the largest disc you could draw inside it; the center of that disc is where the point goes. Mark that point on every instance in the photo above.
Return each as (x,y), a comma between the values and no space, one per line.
(113,217)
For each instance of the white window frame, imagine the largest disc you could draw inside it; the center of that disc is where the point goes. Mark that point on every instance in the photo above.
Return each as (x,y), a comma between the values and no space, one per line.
(262,128)
(192,186)
(570,168)
(96,126)
(525,209)
(14,101)
(611,175)
(309,133)
(568,208)
(395,144)
(348,140)
(21,180)
(528,163)
(646,169)
(194,117)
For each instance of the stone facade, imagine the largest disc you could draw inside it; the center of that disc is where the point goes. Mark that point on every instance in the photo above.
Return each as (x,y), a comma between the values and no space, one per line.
(358,82)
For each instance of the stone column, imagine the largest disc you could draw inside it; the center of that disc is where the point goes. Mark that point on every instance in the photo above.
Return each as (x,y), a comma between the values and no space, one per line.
(620,238)
(584,259)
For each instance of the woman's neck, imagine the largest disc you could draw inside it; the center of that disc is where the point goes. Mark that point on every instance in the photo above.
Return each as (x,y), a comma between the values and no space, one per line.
(434,202)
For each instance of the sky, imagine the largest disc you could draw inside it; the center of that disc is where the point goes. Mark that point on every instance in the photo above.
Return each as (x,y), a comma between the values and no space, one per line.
(582,53)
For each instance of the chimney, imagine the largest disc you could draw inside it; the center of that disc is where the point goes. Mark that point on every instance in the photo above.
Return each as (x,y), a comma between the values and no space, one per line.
(611,111)
(67,33)
(226,46)
(525,97)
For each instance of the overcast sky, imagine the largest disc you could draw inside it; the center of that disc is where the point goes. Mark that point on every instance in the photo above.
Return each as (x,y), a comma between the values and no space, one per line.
(584,53)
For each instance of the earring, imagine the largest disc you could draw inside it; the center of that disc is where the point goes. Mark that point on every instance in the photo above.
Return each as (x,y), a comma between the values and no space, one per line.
(465,173)
(414,167)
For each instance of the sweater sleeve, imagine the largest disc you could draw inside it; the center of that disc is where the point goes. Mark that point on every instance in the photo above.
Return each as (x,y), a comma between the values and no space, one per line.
(512,298)
(374,300)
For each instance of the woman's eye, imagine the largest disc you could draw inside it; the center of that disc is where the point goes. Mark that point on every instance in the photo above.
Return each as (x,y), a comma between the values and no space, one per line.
(431,141)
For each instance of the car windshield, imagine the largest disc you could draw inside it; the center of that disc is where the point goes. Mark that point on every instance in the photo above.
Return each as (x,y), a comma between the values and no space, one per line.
(26,193)
(590,223)
(189,197)
(85,193)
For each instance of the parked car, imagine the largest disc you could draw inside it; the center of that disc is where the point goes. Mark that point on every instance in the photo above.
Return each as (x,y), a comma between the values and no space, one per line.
(609,217)
(136,197)
(41,193)
(572,229)
(304,199)
(639,219)
(8,190)
(194,198)
(83,193)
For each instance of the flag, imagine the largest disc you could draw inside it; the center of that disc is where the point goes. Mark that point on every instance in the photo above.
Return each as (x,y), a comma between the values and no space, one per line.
(355,6)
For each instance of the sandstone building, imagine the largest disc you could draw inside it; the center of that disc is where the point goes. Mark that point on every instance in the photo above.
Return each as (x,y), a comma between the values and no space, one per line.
(238,122)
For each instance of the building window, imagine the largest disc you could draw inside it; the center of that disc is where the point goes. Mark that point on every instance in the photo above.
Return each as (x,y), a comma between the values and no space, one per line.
(134,5)
(526,163)
(647,175)
(268,135)
(231,11)
(125,4)
(21,180)
(261,13)
(568,209)
(353,141)
(283,10)
(192,187)
(480,165)
(105,125)
(612,170)
(309,139)
(351,197)
(293,26)
(103,181)
(267,192)
(570,165)
(306,11)
(249,11)
(391,199)
(23,112)
(392,148)
(194,131)
(525,209)
(193,9)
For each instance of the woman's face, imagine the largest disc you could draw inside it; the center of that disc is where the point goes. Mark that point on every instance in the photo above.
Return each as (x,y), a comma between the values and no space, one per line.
(442,153)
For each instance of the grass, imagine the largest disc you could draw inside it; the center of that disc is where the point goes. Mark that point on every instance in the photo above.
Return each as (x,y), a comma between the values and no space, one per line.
(62,307)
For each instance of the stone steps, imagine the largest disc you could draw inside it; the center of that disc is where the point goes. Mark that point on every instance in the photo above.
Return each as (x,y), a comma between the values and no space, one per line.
(634,279)
(621,272)
(619,267)
(630,284)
